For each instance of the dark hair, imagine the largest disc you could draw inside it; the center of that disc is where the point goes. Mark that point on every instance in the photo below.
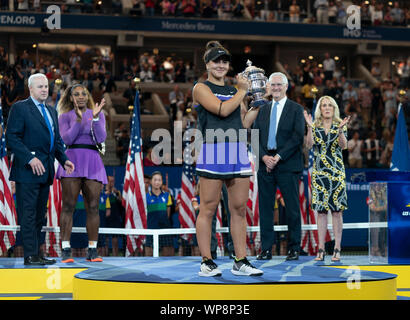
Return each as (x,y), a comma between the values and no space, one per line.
(213,50)
(155,173)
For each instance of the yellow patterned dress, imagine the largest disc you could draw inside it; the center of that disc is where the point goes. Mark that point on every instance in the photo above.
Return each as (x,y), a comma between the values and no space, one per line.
(328,174)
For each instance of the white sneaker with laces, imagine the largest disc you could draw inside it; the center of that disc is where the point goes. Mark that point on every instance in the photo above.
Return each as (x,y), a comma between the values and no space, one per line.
(209,269)
(244,268)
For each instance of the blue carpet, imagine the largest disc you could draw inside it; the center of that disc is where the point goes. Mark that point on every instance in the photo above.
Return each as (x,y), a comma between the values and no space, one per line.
(185,270)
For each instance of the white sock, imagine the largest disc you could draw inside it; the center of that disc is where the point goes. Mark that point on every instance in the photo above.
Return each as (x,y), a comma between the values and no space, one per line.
(65,244)
(92,244)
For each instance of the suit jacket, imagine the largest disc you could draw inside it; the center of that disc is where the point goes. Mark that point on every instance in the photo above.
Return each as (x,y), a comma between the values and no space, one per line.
(27,136)
(289,136)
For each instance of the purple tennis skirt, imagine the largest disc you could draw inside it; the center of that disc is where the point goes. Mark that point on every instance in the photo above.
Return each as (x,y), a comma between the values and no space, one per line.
(224,160)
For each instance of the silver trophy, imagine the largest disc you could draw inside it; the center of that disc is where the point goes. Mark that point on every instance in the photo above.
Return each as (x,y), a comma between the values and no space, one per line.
(258,84)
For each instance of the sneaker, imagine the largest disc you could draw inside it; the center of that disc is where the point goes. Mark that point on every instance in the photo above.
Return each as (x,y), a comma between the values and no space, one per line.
(244,268)
(209,269)
(93,256)
(66,256)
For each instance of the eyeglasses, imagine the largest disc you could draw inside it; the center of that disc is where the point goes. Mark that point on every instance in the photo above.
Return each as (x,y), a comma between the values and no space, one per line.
(276,84)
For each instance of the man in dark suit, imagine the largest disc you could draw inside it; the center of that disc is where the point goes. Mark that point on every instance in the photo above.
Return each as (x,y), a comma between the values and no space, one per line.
(281,131)
(33,138)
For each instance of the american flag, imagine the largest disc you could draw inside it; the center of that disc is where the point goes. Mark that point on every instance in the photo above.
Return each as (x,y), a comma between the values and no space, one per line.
(54,209)
(252,209)
(53,215)
(134,197)
(8,214)
(186,209)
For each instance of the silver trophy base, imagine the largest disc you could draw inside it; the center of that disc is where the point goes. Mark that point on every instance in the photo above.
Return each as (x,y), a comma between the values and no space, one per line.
(257,103)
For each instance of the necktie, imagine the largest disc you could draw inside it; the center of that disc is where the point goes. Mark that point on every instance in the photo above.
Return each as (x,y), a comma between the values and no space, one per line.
(272,127)
(43,111)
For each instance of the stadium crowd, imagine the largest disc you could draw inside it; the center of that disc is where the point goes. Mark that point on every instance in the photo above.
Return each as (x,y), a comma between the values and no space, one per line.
(373,108)
(373,12)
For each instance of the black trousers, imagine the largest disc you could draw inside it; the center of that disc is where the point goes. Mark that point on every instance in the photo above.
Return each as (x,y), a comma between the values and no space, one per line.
(288,184)
(31,199)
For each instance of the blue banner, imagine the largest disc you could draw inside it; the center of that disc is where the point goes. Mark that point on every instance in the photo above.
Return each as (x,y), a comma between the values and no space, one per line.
(205,26)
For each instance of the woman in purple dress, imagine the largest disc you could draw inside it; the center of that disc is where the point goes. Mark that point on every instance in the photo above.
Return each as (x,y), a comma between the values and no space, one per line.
(82,128)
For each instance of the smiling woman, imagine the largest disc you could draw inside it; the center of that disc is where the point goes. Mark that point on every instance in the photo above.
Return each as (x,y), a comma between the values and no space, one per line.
(82,126)
(327,135)
(220,108)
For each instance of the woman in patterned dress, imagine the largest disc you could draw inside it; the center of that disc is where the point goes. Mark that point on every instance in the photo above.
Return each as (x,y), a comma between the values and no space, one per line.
(327,135)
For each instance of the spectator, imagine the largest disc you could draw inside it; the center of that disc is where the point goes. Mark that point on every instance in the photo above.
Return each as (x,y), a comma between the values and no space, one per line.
(3,59)
(122,146)
(188,8)
(332,12)
(9,96)
(149,159)
(365,15)
(405,74)
(376,71)
(207,9)
(22,5)
(168,8)
(146,75)
(329,66)
(355,147)
(390,102)
(387,19)
(74,58)
(349,94)
(150,7)
(108,84)
(294,12)
(87,82)
(341,12)
(307,94)
(138,7)
(262,9)
(377,105)
(407,16)
(385,158)
(180,71)
(365,101)
(125,70)
(225,9)
(377,14)
(397,15)
(372,150)
(130,93)
(321,7)
(278,9)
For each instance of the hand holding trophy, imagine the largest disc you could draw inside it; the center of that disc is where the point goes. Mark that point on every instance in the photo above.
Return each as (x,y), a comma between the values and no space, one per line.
(257,80)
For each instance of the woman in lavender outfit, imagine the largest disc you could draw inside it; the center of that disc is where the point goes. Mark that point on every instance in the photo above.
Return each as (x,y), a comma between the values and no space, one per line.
(82,128)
